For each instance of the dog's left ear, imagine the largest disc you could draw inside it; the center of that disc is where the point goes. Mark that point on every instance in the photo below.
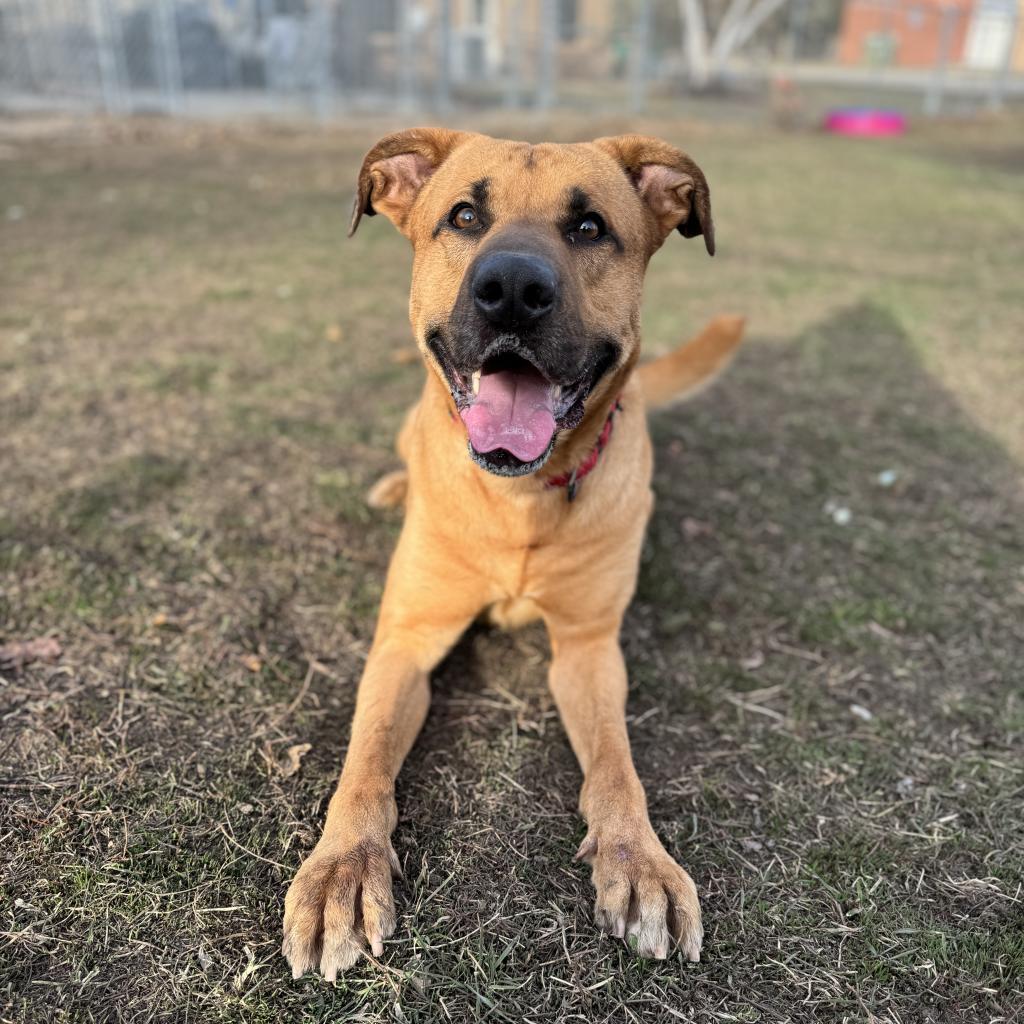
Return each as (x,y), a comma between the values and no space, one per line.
(670,183)
(395,170)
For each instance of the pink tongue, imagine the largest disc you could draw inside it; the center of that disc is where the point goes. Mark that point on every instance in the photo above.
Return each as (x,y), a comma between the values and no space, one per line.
(512,411)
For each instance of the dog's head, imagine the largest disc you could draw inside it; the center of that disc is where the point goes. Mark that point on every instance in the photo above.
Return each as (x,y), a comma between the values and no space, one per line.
(528,269)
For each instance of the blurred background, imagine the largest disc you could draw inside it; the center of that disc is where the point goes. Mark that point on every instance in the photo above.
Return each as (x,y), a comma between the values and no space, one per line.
(327,57)
(200,377)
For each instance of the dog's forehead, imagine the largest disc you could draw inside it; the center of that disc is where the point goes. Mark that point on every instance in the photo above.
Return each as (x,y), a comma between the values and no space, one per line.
(520,179)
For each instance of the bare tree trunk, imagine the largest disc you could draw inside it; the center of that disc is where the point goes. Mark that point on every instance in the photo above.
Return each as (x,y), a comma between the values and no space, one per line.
(695,43)
(728,28)
(742,19)
(761,12)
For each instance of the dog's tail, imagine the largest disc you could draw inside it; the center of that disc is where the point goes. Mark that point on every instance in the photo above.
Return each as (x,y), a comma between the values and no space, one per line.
(686,371)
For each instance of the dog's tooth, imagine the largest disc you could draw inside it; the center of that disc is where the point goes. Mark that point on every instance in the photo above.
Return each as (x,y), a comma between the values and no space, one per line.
(476,382)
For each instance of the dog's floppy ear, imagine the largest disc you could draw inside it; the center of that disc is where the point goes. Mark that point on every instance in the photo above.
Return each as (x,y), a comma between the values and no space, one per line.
(395,170)
(670,183)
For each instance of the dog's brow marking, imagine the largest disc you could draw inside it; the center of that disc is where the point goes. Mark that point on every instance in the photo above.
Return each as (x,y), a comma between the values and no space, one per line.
(479,190)
(579,202)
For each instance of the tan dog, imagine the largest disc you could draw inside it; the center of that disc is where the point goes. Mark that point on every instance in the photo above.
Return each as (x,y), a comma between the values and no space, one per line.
(527,492)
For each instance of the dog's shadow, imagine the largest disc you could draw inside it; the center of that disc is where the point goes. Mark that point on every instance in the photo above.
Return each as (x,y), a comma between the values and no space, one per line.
(819,491)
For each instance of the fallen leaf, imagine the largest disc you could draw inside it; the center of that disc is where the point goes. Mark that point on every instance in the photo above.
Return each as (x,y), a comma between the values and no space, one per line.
(697,528)
(252,663)
(19,653)
(293,758)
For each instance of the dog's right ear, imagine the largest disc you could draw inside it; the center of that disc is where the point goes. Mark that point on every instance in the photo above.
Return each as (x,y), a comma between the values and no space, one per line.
(395,170)
(671,185)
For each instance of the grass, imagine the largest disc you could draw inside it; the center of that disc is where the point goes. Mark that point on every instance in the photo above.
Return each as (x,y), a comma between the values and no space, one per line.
(197,386)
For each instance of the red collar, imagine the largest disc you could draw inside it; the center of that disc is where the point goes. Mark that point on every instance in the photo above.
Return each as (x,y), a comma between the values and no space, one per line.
(572,480)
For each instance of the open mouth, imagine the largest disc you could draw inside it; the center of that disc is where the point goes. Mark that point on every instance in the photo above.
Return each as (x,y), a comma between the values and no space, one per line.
(512,411)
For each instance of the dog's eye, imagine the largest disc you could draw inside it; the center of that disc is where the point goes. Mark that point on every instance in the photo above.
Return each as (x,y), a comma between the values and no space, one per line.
(589,229)
(463,216)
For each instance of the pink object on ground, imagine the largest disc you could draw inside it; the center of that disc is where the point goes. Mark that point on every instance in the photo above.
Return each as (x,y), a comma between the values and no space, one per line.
(865,121)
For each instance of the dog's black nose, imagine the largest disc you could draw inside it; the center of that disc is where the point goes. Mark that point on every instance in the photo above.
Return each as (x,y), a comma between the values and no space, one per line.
(514,288)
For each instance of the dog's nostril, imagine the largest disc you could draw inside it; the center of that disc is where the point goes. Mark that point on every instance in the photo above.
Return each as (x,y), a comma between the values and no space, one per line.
(536,296)
(490,293)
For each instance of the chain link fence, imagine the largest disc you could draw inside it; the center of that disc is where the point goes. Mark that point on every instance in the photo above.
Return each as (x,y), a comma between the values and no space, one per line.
(325,57)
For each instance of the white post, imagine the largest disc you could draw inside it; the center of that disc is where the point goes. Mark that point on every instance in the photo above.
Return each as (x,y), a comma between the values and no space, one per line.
(695,43)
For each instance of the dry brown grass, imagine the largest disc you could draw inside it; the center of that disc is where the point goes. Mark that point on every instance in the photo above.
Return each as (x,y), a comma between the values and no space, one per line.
(197,385)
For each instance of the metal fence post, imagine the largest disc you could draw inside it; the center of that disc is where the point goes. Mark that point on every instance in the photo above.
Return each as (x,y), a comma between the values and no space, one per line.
(514,55)
(937,86)
(323,84)
(406,68)
(548,54)
(1000,76)
(106,57)
(443,82)
(168,54)
(798,11)
(640,42)
(28,35)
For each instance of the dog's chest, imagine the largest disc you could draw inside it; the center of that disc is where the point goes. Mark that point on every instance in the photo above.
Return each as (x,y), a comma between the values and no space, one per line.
(528,561)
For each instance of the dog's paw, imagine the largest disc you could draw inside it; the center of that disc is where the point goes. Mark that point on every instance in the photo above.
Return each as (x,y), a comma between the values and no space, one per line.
(643,894)
(339,902)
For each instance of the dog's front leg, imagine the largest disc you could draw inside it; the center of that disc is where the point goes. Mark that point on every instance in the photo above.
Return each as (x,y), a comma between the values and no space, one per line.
(341,898)
(641,891)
